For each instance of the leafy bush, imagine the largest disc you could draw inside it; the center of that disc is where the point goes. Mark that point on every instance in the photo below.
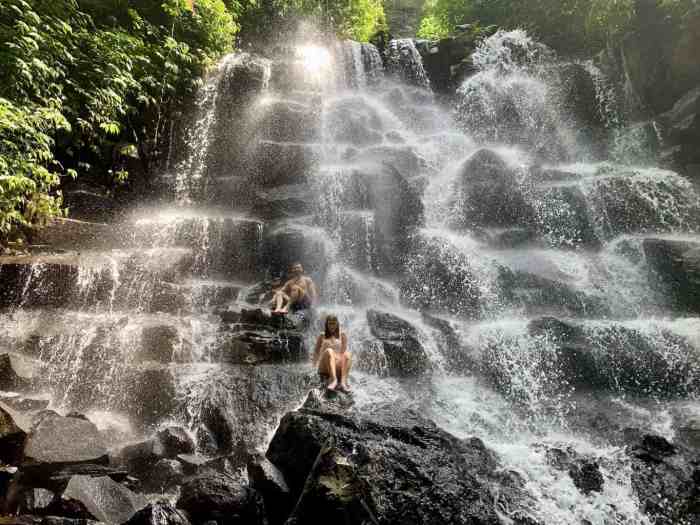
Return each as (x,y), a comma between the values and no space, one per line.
(83,83)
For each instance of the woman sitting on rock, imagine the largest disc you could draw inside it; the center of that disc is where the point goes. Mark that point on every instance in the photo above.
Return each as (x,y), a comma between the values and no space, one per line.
(331,356)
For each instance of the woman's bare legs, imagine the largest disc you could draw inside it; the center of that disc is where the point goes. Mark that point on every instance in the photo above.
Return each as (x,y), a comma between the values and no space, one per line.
(332,369)
(345,370)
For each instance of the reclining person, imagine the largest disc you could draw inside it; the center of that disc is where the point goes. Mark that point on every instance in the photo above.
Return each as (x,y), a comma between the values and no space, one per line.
(298,293)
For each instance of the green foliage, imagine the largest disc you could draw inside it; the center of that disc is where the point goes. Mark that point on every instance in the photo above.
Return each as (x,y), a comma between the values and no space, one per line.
(82,82)
(355,19)
(570,26)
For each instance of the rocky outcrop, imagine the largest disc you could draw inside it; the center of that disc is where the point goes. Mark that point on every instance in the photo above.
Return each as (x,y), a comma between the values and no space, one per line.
(56,441)
(384,466)
(101,499)
(214,496)
(681,132)
(404,352)
(270,483)
(11,439)
(489,193)
(674,268)
(161,513)
(615,357)
(666,480)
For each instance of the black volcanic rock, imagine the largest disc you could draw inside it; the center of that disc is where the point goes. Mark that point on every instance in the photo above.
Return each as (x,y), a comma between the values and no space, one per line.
(586,476)
(56,441)
(160,513)
(666,480)
(674,268)
(489,193)
(404,352)
(270,483)
(215,496)
(173,441)
(11,439)
(102,499)
(386,465)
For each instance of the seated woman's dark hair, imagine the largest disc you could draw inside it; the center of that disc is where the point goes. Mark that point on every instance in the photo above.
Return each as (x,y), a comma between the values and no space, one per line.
(335,333)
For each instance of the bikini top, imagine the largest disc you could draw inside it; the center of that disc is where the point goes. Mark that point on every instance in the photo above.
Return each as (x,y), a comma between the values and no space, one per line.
(333,342)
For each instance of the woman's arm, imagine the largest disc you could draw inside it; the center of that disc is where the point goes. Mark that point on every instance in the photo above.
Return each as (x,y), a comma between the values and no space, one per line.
(317,350)
(343,342)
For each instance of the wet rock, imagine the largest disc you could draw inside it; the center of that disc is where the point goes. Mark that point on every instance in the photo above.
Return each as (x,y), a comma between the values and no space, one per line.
(586,476)
(56,441)
(289,244)
(282,202)
(103,499)
(11,376)
(191,463)
(260,346)
(287,121)
(150,395)
(353,121)
(269,482)
(53,281)
(404,352)
(240,403)
(450,344)
(158,343)
(384,466)
(172,441)
(160,513)
(165,474)
(280,164)
(214,496)
(665,479)
(36,501)
(536,293)
(681,131)
(562,214)
(674,268)
(24,404)
(615,357)
(489,193)
(11,439)
(440,279)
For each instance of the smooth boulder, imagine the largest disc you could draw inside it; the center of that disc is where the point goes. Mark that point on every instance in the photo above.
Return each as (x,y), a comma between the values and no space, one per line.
(222,498)
(56,441)
(403,349)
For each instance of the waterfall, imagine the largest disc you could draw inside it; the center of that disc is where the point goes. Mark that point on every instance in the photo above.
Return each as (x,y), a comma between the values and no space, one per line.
(405,63)
(536,279)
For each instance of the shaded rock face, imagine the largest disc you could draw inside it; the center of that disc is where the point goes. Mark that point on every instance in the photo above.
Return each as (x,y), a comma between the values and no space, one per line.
(681,131)
(270,483)
(103,499)
(666,480)
(11,439)
(675,270)
(490,194)
(374,469)
(10,379)
(56,441)
(214,496)
(615,357)
(404,352)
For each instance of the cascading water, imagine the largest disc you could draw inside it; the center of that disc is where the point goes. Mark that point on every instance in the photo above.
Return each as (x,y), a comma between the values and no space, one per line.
(526,284)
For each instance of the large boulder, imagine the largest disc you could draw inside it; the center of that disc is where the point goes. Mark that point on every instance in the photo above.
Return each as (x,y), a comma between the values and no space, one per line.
(665,479)
(11,439)
(102,499)
(56,441)
(403,349)
(386,465)
(489,194)
(214,496)
(270,483)
(441,278)
(618,358)
(674,268)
